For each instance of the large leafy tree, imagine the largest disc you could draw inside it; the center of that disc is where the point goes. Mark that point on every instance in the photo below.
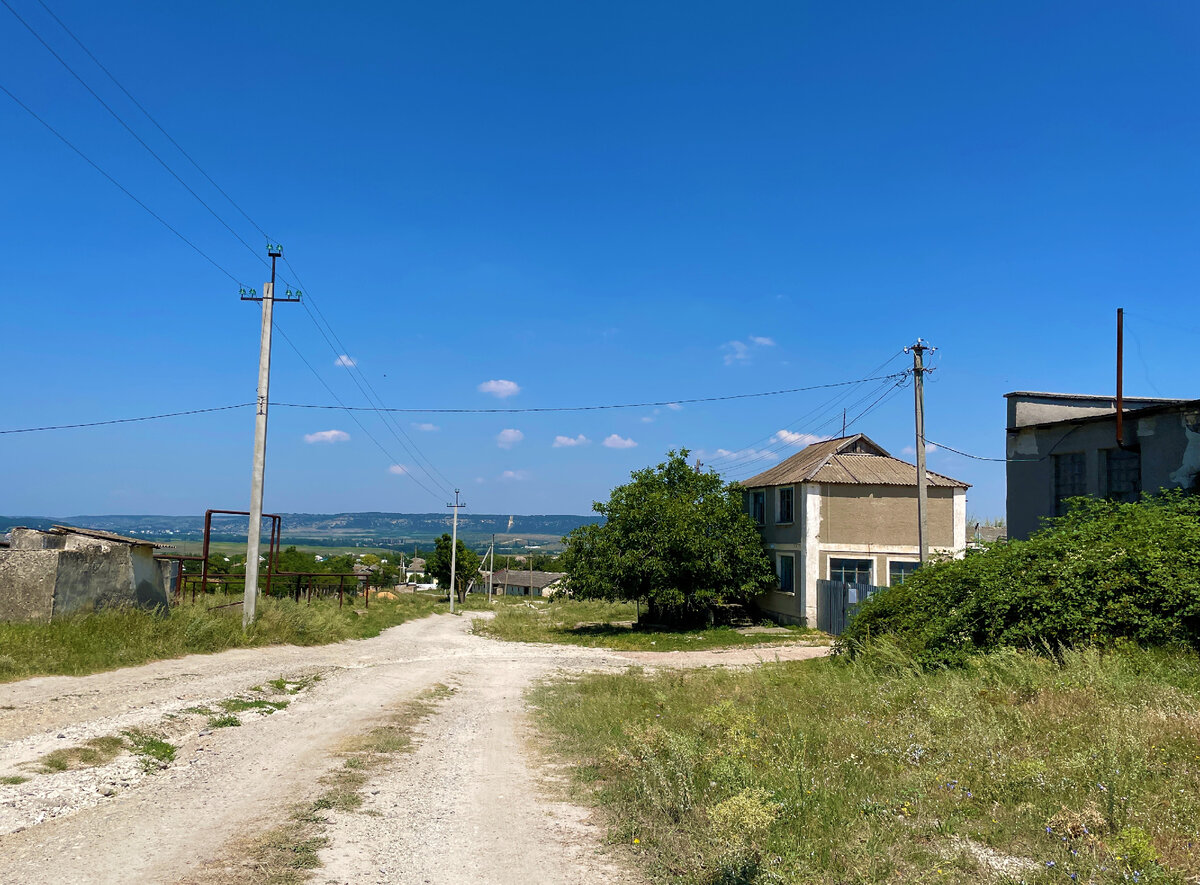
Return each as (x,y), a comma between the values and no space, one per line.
(674,537)
(466,567)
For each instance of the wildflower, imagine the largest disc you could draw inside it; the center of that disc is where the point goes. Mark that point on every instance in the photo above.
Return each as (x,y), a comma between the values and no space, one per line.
(637,841)
(1049,863)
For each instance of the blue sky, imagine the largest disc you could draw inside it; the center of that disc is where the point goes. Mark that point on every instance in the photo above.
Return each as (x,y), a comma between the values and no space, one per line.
(618,203)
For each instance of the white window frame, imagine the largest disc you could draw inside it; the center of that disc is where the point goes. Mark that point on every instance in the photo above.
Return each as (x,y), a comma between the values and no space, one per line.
(866,557)
(779,572)
(779,520)
(916,562)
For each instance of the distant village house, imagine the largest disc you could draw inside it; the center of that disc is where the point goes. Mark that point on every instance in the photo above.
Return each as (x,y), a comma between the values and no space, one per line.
(846,510)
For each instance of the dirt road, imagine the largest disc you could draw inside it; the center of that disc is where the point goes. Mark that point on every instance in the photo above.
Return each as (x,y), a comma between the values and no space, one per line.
(467,805)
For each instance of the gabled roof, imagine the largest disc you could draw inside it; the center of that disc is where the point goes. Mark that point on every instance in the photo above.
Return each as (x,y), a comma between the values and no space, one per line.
(857,460)
(520,577)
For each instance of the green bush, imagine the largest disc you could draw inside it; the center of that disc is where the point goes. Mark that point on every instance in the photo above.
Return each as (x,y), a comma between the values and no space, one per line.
(1105,572)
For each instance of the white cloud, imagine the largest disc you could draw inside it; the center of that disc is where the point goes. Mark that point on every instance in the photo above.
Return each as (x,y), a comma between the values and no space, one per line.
(480,480)
(740,351)
(735,352)
(426,427)
(674,407)
(930,448)
(796,439)
(500,388)
(508,438)
(327,436)
(345,361)
(565,442)
(398,469)
(515,475)
(739,455)
(647,419)
(613,441)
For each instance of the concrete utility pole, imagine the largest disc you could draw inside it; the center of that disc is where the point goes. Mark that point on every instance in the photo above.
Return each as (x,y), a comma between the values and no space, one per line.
(454,547)
(919,370)
(491,566)
(254,535)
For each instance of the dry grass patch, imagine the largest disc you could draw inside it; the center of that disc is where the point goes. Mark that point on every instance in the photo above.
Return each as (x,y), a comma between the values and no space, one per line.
(286,855)
(92,753)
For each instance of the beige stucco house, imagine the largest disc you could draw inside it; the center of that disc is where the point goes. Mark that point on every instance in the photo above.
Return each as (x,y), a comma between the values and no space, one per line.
(845,509)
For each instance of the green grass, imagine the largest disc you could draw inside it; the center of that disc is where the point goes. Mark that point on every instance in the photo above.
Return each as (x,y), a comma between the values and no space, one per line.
(155,752)
(608,625)
(13,779)
(874,770)
(227,720)
(115,638)
(240,705)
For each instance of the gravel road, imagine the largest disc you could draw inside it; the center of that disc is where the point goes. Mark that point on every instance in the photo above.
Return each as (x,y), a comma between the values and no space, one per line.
(470,804)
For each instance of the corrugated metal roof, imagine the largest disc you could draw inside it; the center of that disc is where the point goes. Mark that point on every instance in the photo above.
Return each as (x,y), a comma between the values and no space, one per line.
(857,460)
(521,577)
(878,470)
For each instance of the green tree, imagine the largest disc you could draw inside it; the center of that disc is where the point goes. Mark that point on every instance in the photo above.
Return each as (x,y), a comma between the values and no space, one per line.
(437,564)
(674,537)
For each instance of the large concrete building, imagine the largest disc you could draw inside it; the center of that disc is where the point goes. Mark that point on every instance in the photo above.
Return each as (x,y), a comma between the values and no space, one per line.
(846,510)
(1065,445)
(45,575)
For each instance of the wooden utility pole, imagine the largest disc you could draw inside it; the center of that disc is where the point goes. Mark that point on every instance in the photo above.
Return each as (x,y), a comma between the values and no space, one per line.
(254,535)
(454,547)
(919,370)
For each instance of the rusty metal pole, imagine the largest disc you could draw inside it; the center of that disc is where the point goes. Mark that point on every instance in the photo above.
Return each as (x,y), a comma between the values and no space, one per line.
(1120,377)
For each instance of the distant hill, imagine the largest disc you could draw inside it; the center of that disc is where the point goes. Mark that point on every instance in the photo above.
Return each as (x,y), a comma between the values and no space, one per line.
(366,529)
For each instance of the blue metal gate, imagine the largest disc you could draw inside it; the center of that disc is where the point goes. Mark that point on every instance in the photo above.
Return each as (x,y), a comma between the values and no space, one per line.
(837,602)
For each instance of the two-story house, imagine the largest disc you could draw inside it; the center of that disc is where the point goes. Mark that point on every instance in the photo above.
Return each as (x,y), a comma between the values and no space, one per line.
(846,510)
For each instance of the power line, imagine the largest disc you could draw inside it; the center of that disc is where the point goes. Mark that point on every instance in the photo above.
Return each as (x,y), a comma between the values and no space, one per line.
(391,458)
(355,372)
(127,420)
(668,403)
(411,447)
(129,129)
(118,184)
(149,117)
(770,452)
(819,410)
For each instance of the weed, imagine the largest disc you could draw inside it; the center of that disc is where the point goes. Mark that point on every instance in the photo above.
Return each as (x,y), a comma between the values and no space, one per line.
(122,637)
(197,711)
(155,752)
(1081,769)
(226,721)
(13,779)
(241,705)
(612,625)
(94,752)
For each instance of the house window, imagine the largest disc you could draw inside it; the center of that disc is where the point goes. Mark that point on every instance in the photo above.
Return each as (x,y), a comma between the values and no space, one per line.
(758,507)
(1122,474)
(898,572)
(787,574)
(787,500)
(852,571)
(1070,479)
